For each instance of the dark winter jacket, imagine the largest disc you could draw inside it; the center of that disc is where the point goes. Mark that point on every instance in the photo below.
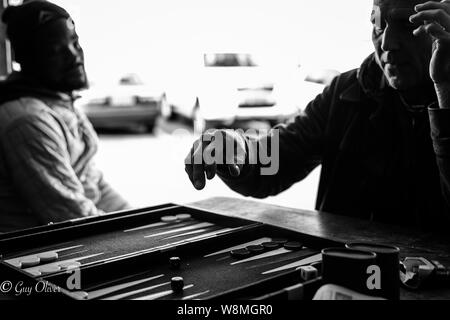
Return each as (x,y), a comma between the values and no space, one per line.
(47,147)
(381,159)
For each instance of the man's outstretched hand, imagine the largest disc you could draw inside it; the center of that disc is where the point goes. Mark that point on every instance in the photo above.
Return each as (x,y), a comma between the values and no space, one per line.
(222,151)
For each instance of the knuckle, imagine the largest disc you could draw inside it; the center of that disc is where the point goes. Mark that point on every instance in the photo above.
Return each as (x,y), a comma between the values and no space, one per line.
(441,14)
(421,14)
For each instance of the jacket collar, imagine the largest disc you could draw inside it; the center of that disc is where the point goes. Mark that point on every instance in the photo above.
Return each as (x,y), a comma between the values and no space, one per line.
(370,83)
(17,86)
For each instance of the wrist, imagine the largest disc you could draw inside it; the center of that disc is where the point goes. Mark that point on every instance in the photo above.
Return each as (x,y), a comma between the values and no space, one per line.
(443,94)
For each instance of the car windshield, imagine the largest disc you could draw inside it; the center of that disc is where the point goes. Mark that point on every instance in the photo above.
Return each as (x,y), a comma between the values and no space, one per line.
(229,60)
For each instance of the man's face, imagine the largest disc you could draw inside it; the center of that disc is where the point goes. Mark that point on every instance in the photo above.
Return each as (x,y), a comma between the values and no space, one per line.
(59,57)
(403,57)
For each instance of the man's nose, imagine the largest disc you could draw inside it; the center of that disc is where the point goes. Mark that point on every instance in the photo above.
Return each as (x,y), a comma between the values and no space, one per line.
(390,40)
(73,52)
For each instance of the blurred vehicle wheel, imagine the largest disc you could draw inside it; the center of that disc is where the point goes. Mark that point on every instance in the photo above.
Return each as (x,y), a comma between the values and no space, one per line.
(150,126)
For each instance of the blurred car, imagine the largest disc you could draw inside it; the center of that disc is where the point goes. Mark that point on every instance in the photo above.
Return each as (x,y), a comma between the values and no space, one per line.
(129,103)
(233,90)
(322,76)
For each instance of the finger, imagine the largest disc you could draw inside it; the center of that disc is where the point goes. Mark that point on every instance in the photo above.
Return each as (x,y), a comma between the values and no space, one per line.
(210,164)
(433,29)
(439,16)
(234,169)
(431,5)
(209,153)
(199,166)
(232,164)
(198,173)
(236,163)
(235,157)
(211,171)
(189,171)
(189,165)
(198,177)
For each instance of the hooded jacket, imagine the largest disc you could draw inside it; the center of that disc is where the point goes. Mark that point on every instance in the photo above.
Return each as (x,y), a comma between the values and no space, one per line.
(47,147)
(381,159)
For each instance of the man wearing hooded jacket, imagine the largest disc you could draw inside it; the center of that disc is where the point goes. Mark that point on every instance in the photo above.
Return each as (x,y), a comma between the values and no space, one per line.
(47,173)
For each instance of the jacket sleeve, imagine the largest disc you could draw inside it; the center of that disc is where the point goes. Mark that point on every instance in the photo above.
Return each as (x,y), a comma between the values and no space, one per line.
(110,200)
(298,143)
(40,167)
(440,134)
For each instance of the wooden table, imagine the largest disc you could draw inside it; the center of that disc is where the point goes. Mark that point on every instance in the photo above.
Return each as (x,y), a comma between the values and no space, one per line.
(413,243)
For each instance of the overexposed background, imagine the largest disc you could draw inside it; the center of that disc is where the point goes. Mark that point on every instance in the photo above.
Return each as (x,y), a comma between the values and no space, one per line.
(160,37)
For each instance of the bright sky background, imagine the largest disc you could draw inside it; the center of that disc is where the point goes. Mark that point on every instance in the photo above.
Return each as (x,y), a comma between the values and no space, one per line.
(166,37)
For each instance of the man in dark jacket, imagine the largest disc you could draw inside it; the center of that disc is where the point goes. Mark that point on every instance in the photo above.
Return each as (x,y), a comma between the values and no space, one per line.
(381,133)
(47,173)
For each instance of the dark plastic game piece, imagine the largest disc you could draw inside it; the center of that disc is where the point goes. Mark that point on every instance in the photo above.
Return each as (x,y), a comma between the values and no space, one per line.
(293,245)
(270,245)
(177,284)
(256,249)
